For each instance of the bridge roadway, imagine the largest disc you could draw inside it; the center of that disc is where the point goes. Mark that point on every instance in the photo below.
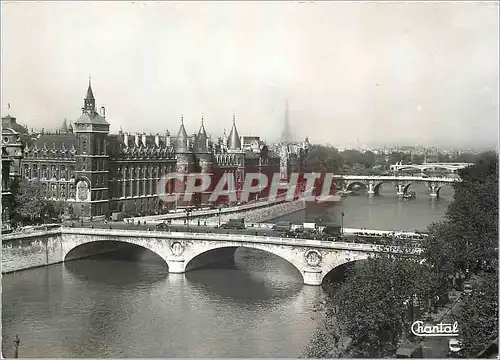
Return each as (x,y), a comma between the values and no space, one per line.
(260,229)
(185,251)
(453,167)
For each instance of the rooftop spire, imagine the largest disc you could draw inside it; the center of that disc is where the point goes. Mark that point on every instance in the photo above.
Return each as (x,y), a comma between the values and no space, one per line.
(181,142)
(285,135)
(90,93)
(89,101)
(234,141)
(202,137)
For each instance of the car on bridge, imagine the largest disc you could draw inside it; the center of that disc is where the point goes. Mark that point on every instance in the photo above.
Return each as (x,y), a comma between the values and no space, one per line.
(236,224)
(283,226)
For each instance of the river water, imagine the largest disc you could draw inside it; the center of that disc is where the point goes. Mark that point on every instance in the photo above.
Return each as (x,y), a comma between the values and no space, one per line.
(255,306)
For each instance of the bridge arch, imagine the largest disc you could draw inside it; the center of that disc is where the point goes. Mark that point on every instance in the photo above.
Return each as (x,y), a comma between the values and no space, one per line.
(438,190)
(334,274)
(351,184)
(208,254)
(89,245)
(336,259)
(379,184)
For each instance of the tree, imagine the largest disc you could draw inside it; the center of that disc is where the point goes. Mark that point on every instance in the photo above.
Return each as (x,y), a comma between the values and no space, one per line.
(375,305)
(478,317)
(323,158)
(30,202)
(467,238)
(465,243)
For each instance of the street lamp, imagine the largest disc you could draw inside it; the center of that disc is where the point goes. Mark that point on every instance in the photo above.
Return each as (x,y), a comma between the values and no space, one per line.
(188,211)
(16,346)
(219,215)
(342,222)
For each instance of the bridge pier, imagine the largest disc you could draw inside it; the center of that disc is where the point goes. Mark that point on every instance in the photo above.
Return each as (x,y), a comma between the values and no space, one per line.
(371,188)
(176,266)
(312,277)
(434,193)
(401,190)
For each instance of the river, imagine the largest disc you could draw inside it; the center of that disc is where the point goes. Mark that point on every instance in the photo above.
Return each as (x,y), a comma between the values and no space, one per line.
(255,306)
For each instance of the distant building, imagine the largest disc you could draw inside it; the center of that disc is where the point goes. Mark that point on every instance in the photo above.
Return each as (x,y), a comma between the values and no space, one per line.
(92,173)
(6,189)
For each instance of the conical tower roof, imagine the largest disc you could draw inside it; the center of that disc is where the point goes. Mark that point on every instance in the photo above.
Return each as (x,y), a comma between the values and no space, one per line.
(90,93)
(181,141)
(234,141)
(202,138)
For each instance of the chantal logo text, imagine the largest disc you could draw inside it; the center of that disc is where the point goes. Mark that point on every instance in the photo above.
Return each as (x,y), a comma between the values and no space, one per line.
(418,328)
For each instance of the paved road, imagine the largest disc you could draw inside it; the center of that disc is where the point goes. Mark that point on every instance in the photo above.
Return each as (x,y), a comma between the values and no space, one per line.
(437,347)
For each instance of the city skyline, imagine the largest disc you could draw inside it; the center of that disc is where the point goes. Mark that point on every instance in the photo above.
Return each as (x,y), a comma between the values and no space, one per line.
(389,73)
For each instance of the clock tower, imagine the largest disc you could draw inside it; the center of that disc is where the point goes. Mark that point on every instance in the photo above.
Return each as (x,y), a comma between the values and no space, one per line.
(91,170)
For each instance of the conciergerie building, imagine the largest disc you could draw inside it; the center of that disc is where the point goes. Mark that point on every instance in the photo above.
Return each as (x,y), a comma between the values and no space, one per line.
(92,173)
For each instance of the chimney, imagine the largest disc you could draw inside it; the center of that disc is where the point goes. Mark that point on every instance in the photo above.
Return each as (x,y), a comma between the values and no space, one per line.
(103,112)
(144,139)
(157,140)
(168,140)
(137,139)
(125,139)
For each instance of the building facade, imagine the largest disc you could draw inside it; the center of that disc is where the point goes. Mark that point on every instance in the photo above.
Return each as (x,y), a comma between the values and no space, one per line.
(92,173)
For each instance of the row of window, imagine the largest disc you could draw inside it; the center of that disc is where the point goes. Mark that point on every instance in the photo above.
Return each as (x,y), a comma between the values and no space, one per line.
(131,188)
(141,172)
(61,191)
(56,172)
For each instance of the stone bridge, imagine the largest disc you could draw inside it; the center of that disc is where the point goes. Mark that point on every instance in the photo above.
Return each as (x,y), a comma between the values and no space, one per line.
(183,252)
(401,183)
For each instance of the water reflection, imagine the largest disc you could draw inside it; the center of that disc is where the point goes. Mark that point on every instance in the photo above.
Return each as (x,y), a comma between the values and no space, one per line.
(249,278)
(384,211)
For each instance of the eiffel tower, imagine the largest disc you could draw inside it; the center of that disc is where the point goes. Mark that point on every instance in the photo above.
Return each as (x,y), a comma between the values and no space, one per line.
(286,135)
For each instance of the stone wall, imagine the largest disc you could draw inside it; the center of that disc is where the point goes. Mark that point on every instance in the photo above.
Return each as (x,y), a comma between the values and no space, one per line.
(25,251)
(268,213)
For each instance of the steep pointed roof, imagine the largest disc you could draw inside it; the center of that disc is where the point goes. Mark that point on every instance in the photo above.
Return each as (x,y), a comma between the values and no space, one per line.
(234,141)
(90,93)
(64,126)
(181,141)
(201,138)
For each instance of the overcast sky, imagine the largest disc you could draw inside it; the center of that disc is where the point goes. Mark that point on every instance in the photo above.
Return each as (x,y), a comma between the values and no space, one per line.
(354,73)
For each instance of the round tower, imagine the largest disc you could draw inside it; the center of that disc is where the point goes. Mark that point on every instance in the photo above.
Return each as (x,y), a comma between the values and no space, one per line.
(205,161)
(184,165)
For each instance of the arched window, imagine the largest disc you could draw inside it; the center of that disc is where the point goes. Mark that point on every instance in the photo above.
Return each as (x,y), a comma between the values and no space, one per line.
(84,147)
(64,175)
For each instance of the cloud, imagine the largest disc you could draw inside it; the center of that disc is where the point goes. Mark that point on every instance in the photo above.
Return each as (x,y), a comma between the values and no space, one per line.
(367,73)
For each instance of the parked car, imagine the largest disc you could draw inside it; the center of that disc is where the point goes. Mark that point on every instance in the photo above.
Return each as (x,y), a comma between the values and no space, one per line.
(468,288)
(454,347)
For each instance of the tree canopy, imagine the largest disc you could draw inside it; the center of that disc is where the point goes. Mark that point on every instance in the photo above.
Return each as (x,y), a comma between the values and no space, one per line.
(374,306)
(30,202)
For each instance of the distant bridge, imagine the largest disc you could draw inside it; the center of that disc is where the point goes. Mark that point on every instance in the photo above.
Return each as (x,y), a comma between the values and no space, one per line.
(452,167)
(401,183)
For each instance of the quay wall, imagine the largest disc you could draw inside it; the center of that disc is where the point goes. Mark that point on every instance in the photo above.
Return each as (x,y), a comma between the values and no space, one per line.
(268,213)
(25,251)
(42,248)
